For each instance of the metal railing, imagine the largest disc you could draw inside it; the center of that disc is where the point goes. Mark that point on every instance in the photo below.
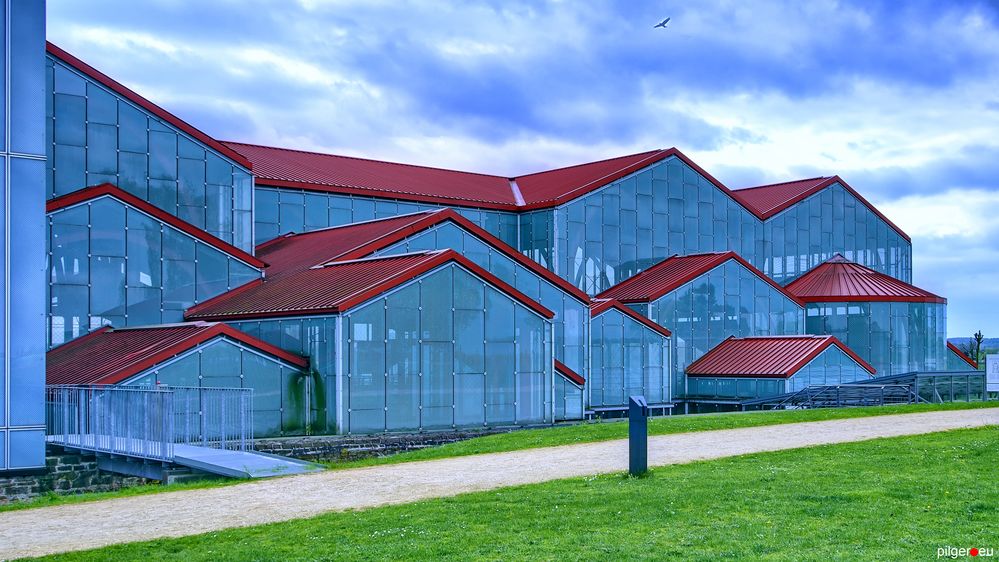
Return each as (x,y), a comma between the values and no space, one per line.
(838,396)
(146,422)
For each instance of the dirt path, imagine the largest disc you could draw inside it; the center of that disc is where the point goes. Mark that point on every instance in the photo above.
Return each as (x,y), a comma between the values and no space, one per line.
(47,530)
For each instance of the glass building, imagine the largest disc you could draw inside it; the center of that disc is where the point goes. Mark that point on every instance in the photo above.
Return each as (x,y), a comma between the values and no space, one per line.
(426,298)
(895,326)
(193,355)
(757,367)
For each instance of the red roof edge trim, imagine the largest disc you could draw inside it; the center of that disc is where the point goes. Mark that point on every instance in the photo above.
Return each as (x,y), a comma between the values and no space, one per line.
(261,345)
(964,357)
(93,192)
(828,182)
(435,259)
(861,298)
(600,306)
(144,103)
(439,216)
(382,194)
(569,374)
(836,341)
(695,273)
(193,311)
(197,339)
(596,184)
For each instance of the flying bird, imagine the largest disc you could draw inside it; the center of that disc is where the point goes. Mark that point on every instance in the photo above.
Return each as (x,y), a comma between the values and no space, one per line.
(661,24)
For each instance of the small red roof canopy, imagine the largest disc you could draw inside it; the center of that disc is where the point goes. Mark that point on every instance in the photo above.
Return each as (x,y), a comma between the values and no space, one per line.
(339,286)
(766,357)
(669,274)
(112,355)
(841,280)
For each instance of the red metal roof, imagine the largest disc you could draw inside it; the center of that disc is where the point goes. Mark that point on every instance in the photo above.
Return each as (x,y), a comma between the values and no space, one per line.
(840,280)
(299,251)
(283,167)
(599,306)
(107,189)
(569,374)
(553,187)
(112,355)
(766,357)
(768,200)
(339,286)
(956,351)
(671,273)
(295,252)
(142,102)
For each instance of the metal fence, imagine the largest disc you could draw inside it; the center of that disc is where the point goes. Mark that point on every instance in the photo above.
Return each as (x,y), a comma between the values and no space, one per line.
(146,422)
(837,396)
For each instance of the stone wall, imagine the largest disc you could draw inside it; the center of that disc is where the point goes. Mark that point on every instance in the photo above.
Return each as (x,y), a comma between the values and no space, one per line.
(64,474)
(342,448)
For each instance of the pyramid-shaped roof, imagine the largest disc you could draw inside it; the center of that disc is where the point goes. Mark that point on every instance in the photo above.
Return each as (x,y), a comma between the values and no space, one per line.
(841,280)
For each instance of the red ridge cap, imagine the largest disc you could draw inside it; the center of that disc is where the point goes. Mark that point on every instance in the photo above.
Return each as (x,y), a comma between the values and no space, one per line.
(144,103)
(600,306)
(569,374)
(964,357)
(95,191)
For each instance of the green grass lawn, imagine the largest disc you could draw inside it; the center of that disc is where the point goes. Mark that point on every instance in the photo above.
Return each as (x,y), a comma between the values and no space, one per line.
(886,499)
(618,429)
(550,437)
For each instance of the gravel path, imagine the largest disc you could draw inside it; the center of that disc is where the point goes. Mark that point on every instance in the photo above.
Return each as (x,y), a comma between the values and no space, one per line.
(48,530)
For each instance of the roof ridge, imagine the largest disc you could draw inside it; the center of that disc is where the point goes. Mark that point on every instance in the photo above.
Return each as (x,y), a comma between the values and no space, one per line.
(783,183)
(365,159)
(648,152)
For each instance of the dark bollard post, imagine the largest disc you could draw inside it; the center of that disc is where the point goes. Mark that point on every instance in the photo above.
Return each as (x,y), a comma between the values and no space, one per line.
(638,436)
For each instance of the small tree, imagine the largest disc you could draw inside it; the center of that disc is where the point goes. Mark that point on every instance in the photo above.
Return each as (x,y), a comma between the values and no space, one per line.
(973,348)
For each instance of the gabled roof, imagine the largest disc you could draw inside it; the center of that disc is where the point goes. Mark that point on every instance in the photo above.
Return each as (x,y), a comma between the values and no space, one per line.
(671,273)
(294,252)
(112,355)
(111,190)
(961,355)
(600,306)
(768,200)
(766,356)
(569,374)
(841,280)
(339,286)
(121,90)
(281,167)
(557,186)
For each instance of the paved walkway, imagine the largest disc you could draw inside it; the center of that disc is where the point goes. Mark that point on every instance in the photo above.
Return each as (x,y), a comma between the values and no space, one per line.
(48,530)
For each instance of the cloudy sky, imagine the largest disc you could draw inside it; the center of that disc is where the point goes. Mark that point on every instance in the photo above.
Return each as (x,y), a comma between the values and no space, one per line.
(900,99)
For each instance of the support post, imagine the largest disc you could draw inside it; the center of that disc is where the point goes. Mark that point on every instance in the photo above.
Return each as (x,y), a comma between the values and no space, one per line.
(638,436)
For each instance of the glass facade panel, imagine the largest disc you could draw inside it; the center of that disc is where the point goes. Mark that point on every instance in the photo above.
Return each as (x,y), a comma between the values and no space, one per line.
(280,211)
(627,358)
(894,337)
(701,314)
(102,273)
(98,137)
